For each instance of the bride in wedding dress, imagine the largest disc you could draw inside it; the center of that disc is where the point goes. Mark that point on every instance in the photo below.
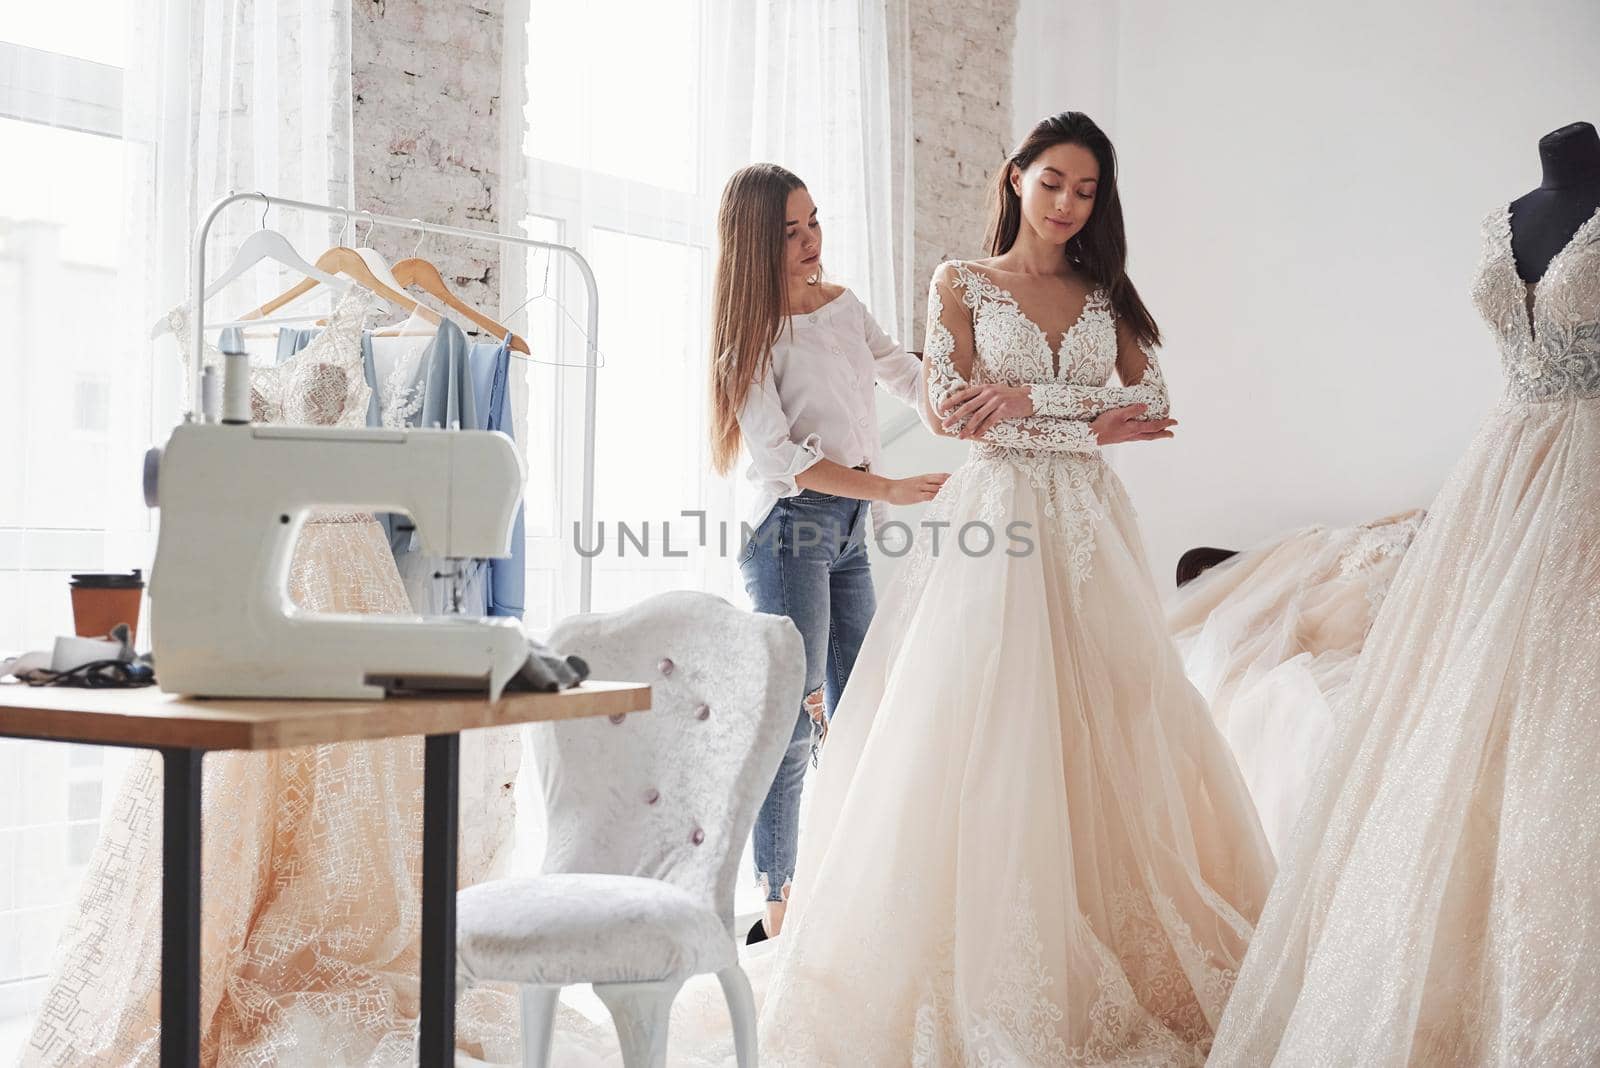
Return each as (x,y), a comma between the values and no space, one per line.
(1029,845)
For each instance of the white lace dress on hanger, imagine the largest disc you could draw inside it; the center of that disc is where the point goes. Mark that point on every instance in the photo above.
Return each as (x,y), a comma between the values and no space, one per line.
(311,914)
(1028,843)
(1437,905)
(1270,638)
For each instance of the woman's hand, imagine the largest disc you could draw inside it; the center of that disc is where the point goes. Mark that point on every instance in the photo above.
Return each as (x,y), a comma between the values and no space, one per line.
(914,490)
(980,406)
(1129,424)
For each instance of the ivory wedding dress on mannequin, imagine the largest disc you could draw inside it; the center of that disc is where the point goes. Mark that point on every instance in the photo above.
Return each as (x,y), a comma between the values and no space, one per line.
(311,858)
(1437,906)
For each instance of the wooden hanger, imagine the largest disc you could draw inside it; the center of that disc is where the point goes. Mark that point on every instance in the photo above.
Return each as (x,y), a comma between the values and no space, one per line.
(348,262)
(426,277)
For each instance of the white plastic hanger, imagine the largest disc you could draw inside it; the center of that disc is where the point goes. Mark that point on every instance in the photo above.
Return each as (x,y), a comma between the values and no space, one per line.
(379,267)
(344,262)
(370,256)
(263,244)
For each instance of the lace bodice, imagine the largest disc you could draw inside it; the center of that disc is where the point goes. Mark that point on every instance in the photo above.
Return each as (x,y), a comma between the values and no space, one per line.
(974,323)
(1067,383)
(324,384)
(1548,333)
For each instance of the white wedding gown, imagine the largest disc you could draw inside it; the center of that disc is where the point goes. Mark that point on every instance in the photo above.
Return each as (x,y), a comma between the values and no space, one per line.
(1270,638)
(1028,844)
(1438,904)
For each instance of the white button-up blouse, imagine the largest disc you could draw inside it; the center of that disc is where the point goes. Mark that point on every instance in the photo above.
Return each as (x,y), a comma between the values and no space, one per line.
(817,401)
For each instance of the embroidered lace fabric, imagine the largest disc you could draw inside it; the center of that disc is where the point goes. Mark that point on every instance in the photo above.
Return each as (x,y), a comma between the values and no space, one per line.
(324,386)
(1054,449)
(1548,332)
(1435,906)
(311,858)
(1067,384)
(1019,733)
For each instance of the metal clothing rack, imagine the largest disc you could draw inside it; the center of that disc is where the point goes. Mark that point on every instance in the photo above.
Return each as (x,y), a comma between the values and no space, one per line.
(197,276)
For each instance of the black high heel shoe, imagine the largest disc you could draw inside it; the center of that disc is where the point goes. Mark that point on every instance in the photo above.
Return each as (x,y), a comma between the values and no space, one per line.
(758,934)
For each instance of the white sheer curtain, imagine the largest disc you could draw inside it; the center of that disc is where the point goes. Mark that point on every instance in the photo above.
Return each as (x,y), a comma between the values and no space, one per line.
(605,158)
(120,124)
(812,85)
(226,95)
(120,120)
(822,87)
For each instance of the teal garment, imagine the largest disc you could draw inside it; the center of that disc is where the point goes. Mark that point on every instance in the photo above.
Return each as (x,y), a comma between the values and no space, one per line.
(490,366)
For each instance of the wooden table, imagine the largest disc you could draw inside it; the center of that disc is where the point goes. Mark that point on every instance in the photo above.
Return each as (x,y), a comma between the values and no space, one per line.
(185,729)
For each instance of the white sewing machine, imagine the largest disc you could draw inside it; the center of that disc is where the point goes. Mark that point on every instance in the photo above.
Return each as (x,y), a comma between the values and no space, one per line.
(233,499)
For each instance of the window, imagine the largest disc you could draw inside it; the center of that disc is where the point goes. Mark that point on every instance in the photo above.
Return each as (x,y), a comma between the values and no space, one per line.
(617,173)
(74,417)
(74,420)
(585,105)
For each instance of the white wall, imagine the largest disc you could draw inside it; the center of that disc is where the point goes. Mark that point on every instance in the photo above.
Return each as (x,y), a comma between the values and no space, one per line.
(1303,186)
(1064,58)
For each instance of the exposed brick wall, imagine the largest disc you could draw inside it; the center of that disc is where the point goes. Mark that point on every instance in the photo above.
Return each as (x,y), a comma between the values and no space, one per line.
(425,89)
(961,119)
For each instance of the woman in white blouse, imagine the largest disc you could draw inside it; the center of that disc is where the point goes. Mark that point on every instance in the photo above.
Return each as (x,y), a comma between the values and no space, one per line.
(794,361)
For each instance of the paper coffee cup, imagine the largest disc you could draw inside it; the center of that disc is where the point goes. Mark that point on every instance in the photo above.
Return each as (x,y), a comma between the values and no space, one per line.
(100,601)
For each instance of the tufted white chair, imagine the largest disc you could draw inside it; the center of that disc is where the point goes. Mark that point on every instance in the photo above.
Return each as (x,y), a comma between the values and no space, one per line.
(648,817)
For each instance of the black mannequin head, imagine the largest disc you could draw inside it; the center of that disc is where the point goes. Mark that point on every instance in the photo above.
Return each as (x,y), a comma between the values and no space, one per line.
(1570,156)
(1543,221)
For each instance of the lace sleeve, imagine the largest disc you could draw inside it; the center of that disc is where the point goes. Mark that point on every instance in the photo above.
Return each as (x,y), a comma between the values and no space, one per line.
(948,362)
(1143,384)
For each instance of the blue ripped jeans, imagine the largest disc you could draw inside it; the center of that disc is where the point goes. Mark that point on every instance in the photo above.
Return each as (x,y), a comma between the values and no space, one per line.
(808,561)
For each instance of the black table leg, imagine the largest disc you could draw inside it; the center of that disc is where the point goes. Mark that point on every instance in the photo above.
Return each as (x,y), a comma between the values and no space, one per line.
(180,908)
(441,790)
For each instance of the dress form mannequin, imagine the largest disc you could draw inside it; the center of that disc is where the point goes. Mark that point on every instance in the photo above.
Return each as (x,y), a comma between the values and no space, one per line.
(1543,221)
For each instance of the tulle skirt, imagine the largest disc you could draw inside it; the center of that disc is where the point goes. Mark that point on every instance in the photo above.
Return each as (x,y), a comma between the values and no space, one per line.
(1028,843)
(311,883)
(1437,906)
(1270,638)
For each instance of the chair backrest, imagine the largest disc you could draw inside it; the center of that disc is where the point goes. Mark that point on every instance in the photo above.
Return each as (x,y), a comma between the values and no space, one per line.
(1197,561)
(672,793)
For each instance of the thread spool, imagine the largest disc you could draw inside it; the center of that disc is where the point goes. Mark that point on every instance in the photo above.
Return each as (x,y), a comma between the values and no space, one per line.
(235,387)
(210,395)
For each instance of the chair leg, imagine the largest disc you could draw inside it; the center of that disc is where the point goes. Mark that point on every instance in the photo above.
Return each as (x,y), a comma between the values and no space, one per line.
(538,1024)
(640,1012)
(742,1007)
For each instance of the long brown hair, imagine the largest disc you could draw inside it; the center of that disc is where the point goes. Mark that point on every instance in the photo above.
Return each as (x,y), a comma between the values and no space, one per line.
(1100,249)
(750,296)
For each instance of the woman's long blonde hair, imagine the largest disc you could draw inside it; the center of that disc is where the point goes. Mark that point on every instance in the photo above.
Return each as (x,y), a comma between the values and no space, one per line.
(750,296)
